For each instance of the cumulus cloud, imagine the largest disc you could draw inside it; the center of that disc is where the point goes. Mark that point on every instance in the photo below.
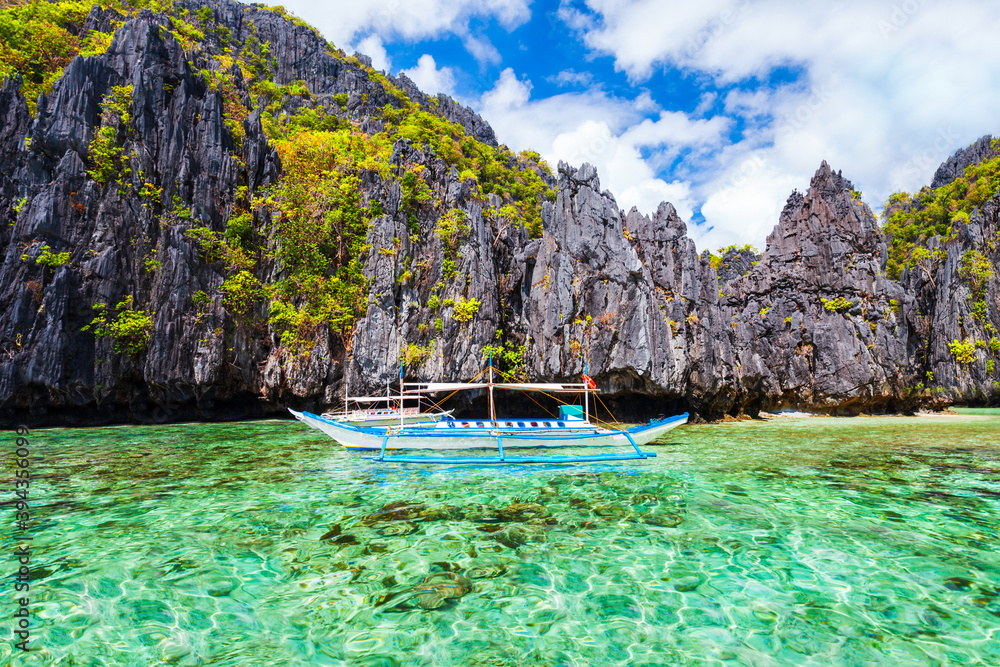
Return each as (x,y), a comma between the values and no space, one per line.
(372,47)
(882,91)
(482,50)
(571,77)
(429,78)
(344,21)
(609,132)
(621,167)
(507,93)
(675,129)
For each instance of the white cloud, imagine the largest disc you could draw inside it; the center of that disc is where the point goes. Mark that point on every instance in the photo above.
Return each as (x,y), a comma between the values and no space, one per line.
(429,78)
(707,100)
(623,29)
(883,91)
(745,201)
(482,50)
(372,47)
(749,104)
(645,102)
(676,129)
(886,91)
(605,131)
(508,93)
(571,77)
(342,21)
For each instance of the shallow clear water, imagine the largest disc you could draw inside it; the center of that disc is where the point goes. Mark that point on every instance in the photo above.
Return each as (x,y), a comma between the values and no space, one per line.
(793,541)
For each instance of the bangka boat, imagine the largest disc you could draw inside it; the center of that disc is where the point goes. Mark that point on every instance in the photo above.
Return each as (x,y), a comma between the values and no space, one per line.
(572,428)
(462,434)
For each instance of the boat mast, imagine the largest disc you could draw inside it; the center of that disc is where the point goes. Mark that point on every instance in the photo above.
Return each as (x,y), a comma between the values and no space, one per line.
(493,412)
(586,390)
(400,393)
(347,369)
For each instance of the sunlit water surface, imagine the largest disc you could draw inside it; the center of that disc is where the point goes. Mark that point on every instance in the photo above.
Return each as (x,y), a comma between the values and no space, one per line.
(793,541)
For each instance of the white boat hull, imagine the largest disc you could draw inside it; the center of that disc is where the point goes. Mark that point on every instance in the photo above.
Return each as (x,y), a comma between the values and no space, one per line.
(477,434)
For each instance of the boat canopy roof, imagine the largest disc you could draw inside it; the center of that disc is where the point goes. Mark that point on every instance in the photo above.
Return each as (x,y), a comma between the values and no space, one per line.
(433,387)
(372,399)
(542,386)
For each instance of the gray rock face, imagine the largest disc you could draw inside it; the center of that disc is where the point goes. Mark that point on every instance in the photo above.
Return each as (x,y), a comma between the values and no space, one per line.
(14,121)
(955,166)
(300,54)
(812,323)
(736,263)
(176,141)
(815,324)
(945,298)
(200,361)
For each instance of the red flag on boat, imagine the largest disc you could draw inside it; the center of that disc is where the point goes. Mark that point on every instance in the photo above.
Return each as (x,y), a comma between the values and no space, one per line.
(589,381)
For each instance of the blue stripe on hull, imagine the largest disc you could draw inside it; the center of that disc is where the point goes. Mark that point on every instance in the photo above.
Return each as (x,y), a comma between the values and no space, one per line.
(585,458)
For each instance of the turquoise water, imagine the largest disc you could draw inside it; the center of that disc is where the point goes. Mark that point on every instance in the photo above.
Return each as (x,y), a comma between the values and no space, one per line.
(989,412)
(794,541)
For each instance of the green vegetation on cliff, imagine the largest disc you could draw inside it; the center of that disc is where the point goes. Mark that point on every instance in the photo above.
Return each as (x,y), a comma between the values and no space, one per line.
(320,221)
(964,351)
(38,39)
(515,179)
(37,43)
(129,328)
(508,358)
(977,271)
(105,152)
(296,249)
(320,226)
(718,261)
(911,220)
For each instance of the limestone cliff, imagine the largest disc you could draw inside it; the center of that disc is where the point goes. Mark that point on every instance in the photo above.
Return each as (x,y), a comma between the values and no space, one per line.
(814,322)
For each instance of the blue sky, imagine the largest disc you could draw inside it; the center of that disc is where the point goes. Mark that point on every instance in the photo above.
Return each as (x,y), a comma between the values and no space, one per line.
(721,107)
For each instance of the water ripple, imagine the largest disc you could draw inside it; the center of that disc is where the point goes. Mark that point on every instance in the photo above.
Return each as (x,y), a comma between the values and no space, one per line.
(786,542)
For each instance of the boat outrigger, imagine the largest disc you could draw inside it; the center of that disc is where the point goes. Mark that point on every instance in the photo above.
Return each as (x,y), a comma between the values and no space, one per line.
(572,428)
